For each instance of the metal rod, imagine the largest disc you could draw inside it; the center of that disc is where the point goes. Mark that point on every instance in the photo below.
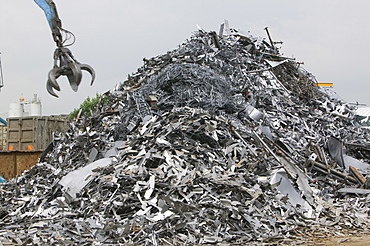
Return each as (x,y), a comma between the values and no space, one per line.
(1,74)
(268,34)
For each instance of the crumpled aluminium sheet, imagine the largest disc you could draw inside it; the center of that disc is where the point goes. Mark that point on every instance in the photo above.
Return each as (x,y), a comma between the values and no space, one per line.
(234,150)
(76,180)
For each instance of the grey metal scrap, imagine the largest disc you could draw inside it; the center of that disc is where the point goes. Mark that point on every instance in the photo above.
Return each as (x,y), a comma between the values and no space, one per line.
(76,180)
(237,149)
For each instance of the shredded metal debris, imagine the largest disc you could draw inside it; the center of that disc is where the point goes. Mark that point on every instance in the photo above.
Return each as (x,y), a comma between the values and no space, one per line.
(220,141)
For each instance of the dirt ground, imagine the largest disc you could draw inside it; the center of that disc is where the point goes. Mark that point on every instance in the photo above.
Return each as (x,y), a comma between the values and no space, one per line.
(345,241)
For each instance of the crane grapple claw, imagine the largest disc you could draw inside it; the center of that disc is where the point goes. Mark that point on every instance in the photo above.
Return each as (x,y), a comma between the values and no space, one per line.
(66,65)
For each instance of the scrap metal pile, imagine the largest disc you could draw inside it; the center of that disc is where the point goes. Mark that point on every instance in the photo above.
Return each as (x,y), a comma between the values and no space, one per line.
(220,141)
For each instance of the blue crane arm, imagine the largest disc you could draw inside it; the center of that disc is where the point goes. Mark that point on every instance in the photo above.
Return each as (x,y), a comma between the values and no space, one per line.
(48,6)
(50,12)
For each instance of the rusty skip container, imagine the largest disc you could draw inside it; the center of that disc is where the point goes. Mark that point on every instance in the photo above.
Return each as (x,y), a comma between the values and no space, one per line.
(13,163)
(33,132)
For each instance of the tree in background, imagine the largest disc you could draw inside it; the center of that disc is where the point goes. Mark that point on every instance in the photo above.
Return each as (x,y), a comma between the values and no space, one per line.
(88,106)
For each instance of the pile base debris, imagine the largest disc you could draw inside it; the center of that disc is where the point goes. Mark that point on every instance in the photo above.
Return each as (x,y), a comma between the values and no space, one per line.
(220,141)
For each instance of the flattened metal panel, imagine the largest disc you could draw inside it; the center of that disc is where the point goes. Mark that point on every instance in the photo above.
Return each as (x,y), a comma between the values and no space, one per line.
(74,181)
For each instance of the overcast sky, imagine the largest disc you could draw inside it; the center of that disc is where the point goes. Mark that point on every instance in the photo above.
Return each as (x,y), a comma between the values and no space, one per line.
(332,38)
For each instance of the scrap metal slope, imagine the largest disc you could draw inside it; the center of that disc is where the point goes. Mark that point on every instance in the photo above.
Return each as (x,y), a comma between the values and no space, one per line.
(221,140)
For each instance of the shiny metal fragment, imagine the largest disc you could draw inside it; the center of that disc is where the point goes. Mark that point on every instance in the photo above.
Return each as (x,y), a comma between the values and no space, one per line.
(74,181)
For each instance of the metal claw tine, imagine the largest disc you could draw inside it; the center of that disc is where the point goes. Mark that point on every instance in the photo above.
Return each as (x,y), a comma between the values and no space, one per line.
(74,76)
(89,69)
(52,77)
(50,86)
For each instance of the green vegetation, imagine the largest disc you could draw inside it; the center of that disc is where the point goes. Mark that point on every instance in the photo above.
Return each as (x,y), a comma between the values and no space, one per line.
(88,106)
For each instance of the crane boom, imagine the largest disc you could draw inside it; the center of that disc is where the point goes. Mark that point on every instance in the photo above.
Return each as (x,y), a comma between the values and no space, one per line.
(50,10)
